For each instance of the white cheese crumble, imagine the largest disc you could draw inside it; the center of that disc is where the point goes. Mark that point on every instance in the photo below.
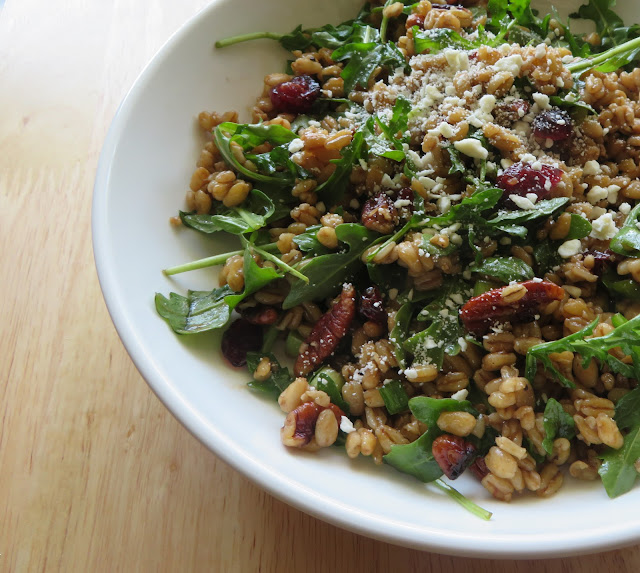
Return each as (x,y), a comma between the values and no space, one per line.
(346,425)
(570,248)
(542,100)
(604,227)
(592,168)
(511,64)
(472,148)
(296,145)
(523,203)
(460,395)
(624,208)
(597,194)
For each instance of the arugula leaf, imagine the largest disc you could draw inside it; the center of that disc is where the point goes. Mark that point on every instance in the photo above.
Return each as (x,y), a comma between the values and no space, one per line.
(416,458)
(278,380)
(438,39)
(308,241)
(248,217)
(620,287)
(505,269)
(626,336)
(579,228)
(274,167)
(627,240)
(617,470)
(395,397)
(202,311)
(326,273)
(628,410)
(557,424)
(546,255)
(544,208)
(365,56)
(399,332)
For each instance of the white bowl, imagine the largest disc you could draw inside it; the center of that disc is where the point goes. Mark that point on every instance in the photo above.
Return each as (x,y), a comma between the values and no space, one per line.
(144,170)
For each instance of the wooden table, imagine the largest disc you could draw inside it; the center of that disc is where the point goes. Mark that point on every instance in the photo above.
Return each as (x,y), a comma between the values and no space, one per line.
(95,474)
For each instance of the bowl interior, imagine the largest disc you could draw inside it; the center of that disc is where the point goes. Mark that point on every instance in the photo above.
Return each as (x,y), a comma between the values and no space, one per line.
(144,171)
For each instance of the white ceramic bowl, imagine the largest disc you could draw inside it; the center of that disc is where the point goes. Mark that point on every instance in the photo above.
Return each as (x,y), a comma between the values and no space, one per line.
(144,170)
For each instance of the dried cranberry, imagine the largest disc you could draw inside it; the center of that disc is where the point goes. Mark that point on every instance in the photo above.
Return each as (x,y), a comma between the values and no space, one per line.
(479,468)
(371,306)
(554,124)
(522,178)
(241,337)
(453,454)
(260,315)
(296,95)
(602,259)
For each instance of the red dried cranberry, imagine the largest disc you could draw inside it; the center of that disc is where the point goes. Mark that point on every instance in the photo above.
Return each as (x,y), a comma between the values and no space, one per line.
(405,194)
(453,454)
(522,178)
(479,468)
(296,95)
(554,124)
(371,306)
(602,259)
(241,337)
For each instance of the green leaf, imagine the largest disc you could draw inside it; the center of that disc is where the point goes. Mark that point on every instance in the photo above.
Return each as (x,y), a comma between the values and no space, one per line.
(416,458)
(395,397)
(620,287)
(364,57)
(330,381)
(628,410)
(542,209)
(546,256)
(326,273)
(308,241)
(617,471)
(579,228)
(250,216)
(557,424)
(627,240)
(201,311)
(505,269)
(438,39)
(626,336)
(274,167)
(399,331)
(278,380)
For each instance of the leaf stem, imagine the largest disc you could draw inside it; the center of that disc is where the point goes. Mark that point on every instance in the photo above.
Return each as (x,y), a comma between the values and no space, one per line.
(456,496)
(593,62)
(201,263)
(284,266)
(247,38)
(385,22)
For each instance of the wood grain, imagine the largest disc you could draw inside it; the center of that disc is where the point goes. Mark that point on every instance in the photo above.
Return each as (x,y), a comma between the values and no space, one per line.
(95,475)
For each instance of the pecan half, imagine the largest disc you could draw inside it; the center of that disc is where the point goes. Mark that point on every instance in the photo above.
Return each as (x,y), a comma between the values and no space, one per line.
(300,424)
(327,332)
(453,454)
(517,302)
(380,214)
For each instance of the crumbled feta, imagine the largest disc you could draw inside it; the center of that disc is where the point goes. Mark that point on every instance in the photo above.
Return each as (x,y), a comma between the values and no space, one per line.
(296,145)
(612,193)
(604,227)
(460,395)
(523,203)
(346,425)
(542,100)
(597,194)
(458,60)
(592,168)
(570,248)
(511,64)
(624,208)
(472,148)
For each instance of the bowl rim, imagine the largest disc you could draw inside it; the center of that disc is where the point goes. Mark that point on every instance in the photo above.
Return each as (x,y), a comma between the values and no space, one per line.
(288,490)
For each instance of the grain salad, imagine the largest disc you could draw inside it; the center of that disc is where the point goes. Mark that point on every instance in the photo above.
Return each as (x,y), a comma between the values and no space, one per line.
(437,215)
